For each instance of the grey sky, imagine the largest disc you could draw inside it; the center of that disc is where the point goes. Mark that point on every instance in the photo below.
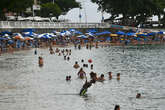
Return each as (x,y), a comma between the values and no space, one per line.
(93,15)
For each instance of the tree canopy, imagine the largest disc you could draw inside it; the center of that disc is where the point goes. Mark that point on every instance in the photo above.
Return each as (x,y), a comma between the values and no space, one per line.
(59,6)
(136,10)
(15,6)
(47,6)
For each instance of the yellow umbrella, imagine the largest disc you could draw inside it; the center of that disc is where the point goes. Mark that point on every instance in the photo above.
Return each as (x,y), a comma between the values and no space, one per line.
(113,35)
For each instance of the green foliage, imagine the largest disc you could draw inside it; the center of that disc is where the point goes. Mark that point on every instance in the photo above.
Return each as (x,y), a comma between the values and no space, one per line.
(137,10)
(50,8)
(65,5)
(16,6)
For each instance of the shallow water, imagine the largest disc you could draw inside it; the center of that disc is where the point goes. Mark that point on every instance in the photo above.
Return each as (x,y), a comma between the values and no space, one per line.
(25,86)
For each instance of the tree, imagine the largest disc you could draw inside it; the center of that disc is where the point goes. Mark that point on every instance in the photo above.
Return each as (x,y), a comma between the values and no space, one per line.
(15,6)
(50,8)
(64,5)
(136,10)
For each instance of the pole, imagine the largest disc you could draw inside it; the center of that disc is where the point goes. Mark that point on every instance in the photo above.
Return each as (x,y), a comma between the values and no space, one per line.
(80,15)
(85,12)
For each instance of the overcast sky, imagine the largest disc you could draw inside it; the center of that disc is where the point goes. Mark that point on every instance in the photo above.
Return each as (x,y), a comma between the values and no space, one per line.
(92,14)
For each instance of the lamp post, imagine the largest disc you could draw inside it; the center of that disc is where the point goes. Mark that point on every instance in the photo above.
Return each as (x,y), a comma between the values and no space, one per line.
(80,15)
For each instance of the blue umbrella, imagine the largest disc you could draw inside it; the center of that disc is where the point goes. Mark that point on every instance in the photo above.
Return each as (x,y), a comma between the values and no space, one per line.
(82,36)
(161,32)
(144,35)
(29,34)
(92,30)
(10,42)
(103,33)
(130,34)
(6,32)
(28,30)
(72,30)
(120,33)
(78,32)
(151,34)
(2,38)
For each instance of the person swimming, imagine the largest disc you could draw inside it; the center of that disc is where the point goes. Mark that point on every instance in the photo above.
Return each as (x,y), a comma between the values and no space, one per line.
(110,75)
(68,58)
(93,76)
(81,74)
(76,65)
(82,61)
(138,95)
(57,50)
(118,76)
(101,78)
(68,78)
(85,87)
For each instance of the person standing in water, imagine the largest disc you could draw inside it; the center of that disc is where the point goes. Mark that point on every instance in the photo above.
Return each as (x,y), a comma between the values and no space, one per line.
(81,74)
(85,87)
(40,61)
(35,52)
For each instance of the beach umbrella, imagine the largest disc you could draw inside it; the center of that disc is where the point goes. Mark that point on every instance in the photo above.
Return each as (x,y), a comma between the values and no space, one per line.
(120,33)
(2,38)
(82,36)
(6,32)
(90,34)
(68,33)
(72,30)
(28,30)
(28,34)
(130,34)
(151,34)
(10,42)
(103,33)
(113,35)
(92,30)
(28,38)
(161,32)
(78,32)
(142,34)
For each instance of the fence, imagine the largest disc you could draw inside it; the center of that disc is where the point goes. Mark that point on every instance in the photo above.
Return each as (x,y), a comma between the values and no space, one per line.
(29,24)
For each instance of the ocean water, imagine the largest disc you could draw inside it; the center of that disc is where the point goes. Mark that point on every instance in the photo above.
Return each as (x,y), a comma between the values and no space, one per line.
(26,86)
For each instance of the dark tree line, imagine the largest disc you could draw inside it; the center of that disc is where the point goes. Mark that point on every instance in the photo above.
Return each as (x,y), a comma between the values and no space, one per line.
(56,8)
(136,11)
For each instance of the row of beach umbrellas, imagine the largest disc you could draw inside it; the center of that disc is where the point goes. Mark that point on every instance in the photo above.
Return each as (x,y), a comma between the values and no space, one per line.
(29,34)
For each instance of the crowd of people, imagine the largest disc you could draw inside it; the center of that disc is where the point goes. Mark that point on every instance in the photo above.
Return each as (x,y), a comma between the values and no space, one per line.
(81,74)
(17,42)
(26,39)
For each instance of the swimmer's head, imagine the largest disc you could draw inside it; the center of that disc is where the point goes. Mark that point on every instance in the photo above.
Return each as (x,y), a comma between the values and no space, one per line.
(102,75)
(138,95)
